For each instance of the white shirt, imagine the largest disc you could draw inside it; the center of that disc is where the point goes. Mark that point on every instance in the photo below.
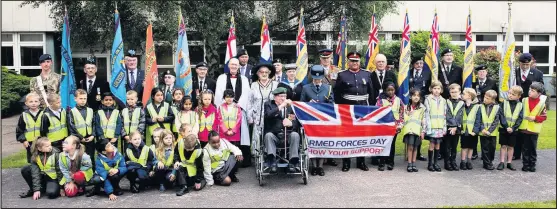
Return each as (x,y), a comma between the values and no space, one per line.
(417,73)
(56,112)
(481,82)
(447,68)
(168,88)
(524,73)
(201,81)
(134,74)
(209,151)
(233,83)
(93,81)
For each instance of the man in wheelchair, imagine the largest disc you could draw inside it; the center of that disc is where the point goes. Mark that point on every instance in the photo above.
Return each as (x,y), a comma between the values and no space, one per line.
(280,122)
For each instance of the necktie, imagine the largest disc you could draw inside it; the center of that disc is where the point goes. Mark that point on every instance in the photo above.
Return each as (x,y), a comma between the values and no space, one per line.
(278,78)
(317,87)
(90,86)
(201,85)
(381,76)
(132,79)
(416,75)
(523,77)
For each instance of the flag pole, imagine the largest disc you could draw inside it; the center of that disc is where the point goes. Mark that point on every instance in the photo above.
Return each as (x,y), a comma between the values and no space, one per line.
(116,5)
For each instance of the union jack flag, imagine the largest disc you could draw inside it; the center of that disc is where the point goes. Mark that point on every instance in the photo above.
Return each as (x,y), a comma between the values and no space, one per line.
(431,61)
(468,72)
(230,44)
(405,60)
(372,46)
(340,52)
(301,52)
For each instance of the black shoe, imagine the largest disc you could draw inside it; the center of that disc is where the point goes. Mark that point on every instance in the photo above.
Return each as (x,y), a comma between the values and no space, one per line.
(488,167)
(501,166)
(234,179)
(437,167)
(516,158)
(430,168)
(421,158)
(525,168)
(454,166)
(414,169)
(409,169)
(118,192)
(474,157)
(439,157)
(448,166)
(314,171)
(511,167)
(462,165)
(469,166)
(345,167)
(390,167)
(532,169)
(162,188)
(331,162)
(92,192)
(362,166)
(29,193)
(274,168)
(321,172)
(381,168)
(182,191)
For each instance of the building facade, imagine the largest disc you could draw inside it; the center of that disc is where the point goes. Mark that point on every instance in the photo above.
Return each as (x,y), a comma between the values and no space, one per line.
(29,32)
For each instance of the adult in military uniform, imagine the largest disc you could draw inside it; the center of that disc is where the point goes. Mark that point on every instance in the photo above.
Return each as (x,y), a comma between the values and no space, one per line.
(484,83)
(291,84)
(525,76)
(94,87)
(449,73)
(245,68)
(47,82)
(135,77)
(331,71)
(421,80)
(201,82)
(317,91)
(381,75)
(280,75)
(354,87)
(168,86)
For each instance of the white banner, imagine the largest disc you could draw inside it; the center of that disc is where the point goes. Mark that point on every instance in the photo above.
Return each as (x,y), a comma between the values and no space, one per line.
(347,147)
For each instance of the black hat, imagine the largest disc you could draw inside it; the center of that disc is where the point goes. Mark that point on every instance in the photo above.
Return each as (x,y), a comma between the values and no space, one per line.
(325,53)
(241,52)
(168,72)
(44,57)
(279,90)
(131,53)
(201,64)
(415,59)
(277,60)
(290,66)
(107,94)
(317,72)
(354,56)
(481,67)
(91,59)
(447,50)
(254,70)
(525,58)
(101,145)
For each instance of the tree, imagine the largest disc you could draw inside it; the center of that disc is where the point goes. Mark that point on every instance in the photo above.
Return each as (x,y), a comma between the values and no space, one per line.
(91,21)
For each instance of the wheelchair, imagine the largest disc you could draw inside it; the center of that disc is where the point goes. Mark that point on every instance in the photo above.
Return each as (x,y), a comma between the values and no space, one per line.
(282,158)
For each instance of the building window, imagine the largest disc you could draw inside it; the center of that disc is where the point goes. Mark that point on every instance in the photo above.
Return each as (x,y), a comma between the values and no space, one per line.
(517,38)
(539,38)
(196,55)
(30,55)
(381,36)
(540,53)
(7,55)
(164,54)
(396,36)
(458,37)
(8,37)
(31,37)
(480,48)
(480,37)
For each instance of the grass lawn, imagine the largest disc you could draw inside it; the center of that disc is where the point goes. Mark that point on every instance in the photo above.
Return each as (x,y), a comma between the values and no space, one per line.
(545,204)
(16,160)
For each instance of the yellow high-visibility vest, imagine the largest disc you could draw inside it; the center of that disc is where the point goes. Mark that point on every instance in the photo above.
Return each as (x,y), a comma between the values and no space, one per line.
(487,120)
(532,126)
(32,127)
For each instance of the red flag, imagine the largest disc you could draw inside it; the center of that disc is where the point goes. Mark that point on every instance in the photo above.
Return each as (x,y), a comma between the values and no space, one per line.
(151,72)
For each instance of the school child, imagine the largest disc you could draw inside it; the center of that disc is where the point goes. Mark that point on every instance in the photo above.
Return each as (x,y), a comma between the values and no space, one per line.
(107,123)
(231,118)
(29,123)
(158,114)
(80,122)
(155,138)
(535,114)
(187,115)
(208,116)
(43,174)
(53,122)
(133,117)
(511,117)
(189,164)
(454,124)
(163,169)
(488,133)
(76,167)
(110,169)
(388,98)
(471,122)
(412,129)
(139,161)
(219,161)
(177,101)
(436,125)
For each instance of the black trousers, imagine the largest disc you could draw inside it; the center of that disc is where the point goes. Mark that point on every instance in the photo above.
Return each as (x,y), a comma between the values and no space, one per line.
(140,174)
(518,146)
(185,180)
(529,153)
(246,152)
(442,147)
(90,150)
(488,149)
(390,160)
(28,149)
(349,160)
(114,181)
(451,143)
(48,186)
(163,176)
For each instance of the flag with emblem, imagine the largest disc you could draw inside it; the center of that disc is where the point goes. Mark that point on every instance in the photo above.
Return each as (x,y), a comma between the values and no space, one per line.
(431,61)
(183,66)
(265,53)
(507,77)
(118,73)
(341,130)
(339,58)
(301,51)
(67,83)
(151,71)
(468,71)
(230,44)
(372,44)
(404,61)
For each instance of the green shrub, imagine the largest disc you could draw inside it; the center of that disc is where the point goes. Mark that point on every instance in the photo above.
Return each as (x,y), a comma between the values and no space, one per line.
(14,87)
(492,59)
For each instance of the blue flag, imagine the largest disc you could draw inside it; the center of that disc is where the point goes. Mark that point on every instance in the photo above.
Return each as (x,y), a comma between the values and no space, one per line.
(183,66)
(118,78)
(67,84)
(405,60)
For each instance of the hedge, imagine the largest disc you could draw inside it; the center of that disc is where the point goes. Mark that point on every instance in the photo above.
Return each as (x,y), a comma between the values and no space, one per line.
(14,87)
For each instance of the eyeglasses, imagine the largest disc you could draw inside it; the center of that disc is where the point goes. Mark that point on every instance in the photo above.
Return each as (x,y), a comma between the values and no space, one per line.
(264,72)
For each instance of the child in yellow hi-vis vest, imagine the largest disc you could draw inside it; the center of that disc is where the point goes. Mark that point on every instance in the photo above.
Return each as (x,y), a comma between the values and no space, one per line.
(133,117)
(29,123)
(510,115)
(163,164)
(488,128)
(43,174)
(436,125)
(188,157)
(139,161)
(413,128)
(157,114)
(76,167)
(107,123)
(110,169)
(177,101)
(534,116)
(80,122)
(471,122)
(219,161)
(53,124)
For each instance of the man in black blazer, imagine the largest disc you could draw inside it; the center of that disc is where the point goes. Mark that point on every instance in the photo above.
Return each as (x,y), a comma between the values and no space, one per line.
(94,87)
(525,76)
(201,82)
(135,77)
(381,75)
(449,73)
(245,68)
(484,83)
(419,79)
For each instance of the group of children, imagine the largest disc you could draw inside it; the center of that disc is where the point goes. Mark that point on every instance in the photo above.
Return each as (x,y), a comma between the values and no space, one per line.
(70,148)
(461,116)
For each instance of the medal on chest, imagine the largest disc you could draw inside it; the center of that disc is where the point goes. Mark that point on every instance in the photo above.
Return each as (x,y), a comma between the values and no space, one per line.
(98,97)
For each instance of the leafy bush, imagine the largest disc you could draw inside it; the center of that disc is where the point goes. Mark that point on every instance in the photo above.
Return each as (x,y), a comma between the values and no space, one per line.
(14,87)
(492,59)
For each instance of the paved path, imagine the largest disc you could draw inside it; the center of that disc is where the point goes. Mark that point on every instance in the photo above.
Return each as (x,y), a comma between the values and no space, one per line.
(356,188)
(9,144)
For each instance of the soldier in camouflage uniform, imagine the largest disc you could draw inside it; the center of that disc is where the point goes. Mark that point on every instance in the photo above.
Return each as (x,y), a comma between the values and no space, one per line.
(47,82)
